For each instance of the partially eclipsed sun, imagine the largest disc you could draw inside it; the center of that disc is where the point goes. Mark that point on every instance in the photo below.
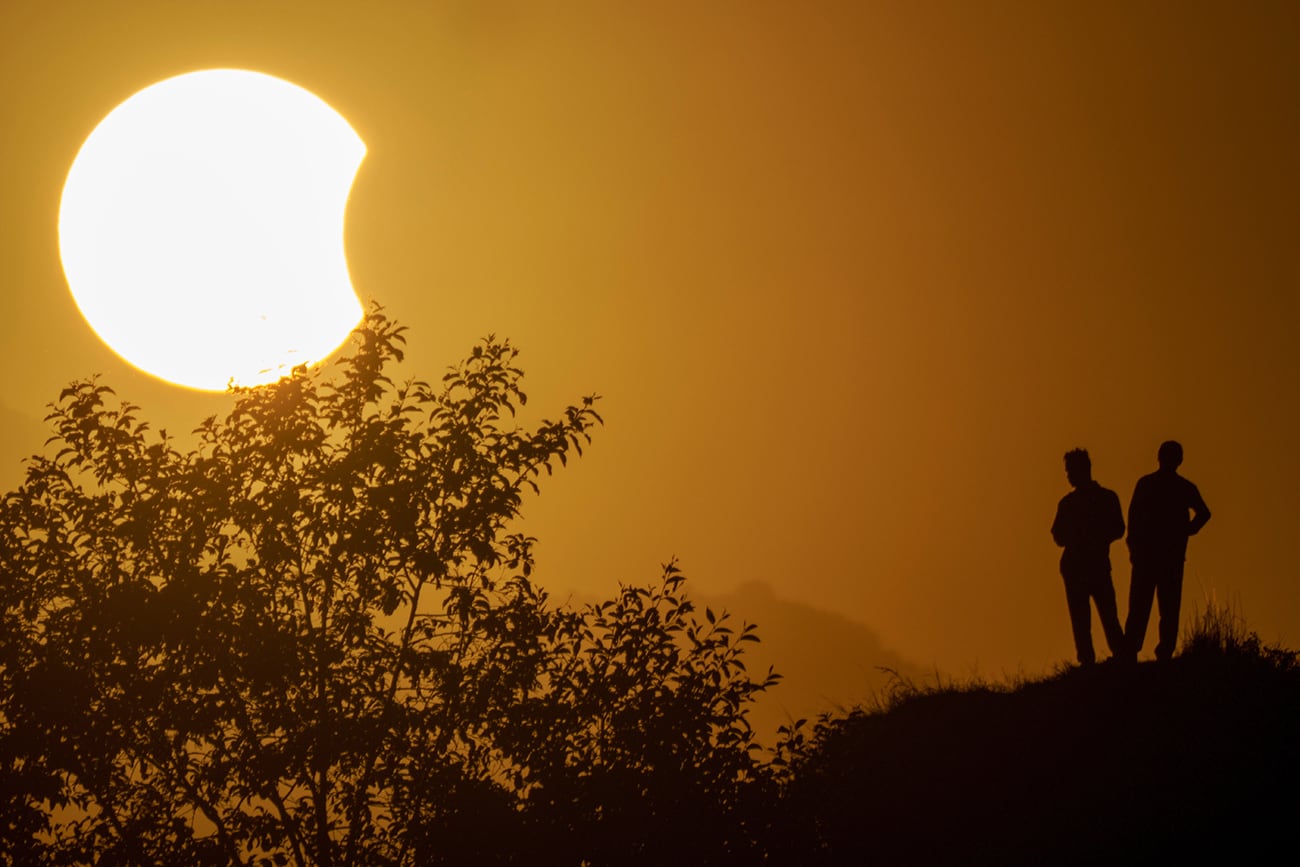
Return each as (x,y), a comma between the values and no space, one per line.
(201,229)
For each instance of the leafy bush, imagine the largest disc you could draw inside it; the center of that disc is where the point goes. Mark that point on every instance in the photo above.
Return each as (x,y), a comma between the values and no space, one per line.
(313,639)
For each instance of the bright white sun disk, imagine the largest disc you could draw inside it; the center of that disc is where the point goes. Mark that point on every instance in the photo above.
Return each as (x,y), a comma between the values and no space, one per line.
(201,228)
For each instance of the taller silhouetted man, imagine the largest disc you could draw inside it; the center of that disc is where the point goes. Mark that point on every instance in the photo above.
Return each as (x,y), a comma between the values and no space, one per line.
(1165,510)
(1088,519)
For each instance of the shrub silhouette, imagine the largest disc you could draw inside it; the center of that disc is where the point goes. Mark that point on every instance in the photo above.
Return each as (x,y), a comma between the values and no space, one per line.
(313,639)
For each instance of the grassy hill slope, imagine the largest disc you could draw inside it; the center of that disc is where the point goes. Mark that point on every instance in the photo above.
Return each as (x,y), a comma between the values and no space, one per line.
(1195,758)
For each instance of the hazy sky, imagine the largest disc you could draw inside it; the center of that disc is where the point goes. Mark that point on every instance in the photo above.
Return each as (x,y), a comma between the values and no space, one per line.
(850,276)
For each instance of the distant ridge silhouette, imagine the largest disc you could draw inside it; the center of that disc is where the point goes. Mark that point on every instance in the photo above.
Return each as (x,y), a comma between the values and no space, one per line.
(827,661)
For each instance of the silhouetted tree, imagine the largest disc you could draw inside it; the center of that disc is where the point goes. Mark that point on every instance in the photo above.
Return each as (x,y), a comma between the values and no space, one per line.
(313,639)
(640,742)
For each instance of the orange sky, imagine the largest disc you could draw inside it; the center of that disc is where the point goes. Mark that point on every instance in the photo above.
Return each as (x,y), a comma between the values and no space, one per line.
(851,276)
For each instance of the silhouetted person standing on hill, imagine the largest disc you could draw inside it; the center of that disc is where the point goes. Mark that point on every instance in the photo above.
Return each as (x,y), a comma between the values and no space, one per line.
(1088,519)
(1165,510)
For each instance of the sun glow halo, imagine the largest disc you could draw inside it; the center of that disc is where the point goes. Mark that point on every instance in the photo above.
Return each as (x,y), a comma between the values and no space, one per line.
(201,229)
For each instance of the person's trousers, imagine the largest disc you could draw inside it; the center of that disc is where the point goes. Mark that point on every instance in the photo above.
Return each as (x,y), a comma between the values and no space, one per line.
(1081,590)
(1162,580)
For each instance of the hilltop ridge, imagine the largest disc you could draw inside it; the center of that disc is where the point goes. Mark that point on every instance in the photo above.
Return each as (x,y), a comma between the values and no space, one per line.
(1193,758)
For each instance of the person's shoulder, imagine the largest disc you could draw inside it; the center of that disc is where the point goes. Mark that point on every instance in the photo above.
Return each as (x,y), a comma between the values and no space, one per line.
(1105,498)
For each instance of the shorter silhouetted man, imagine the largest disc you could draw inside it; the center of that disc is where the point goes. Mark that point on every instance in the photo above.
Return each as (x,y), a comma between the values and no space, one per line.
(1165,510)
(1088,519)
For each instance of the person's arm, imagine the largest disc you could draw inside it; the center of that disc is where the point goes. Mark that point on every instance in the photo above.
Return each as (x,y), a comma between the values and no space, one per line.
(1136,516)
(1200,512)
(1059,531)
(1115,519)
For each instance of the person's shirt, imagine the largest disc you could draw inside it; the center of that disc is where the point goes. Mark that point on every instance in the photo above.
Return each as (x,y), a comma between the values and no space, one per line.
(1088,519)
(1166,508)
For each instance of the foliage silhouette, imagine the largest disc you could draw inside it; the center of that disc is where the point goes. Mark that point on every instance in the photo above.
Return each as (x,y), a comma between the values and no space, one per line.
(314,639)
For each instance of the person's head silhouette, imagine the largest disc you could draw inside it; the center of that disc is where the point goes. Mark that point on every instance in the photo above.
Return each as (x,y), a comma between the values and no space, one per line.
(1078,467)
(1170,455)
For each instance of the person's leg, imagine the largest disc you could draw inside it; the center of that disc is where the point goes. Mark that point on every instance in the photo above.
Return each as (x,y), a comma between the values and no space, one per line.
(1103,592)
(1141,592)
(1080,605)
(1169,599)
